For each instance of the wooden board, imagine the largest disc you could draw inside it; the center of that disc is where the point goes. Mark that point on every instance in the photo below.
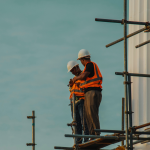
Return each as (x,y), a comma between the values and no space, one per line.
(97,143)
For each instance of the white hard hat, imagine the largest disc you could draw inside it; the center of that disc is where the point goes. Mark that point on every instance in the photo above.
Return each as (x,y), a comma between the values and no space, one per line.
(83,53)
(71,64)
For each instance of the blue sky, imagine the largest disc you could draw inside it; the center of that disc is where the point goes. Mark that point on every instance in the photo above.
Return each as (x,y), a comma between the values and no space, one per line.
(37,39)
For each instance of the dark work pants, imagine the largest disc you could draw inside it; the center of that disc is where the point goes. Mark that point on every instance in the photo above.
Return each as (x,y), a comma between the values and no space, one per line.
(79,119)
(91,109)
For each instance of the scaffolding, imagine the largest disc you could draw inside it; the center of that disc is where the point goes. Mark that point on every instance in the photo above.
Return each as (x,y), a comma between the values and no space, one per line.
(33,130)
(130,133)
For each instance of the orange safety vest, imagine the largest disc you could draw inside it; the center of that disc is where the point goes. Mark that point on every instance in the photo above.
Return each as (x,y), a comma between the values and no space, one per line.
(77,91)
(95,81)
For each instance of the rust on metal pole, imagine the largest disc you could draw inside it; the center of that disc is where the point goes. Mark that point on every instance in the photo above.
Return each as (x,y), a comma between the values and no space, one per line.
(141,126)
(130,35)
(33,130)
(122,142)
(137,46)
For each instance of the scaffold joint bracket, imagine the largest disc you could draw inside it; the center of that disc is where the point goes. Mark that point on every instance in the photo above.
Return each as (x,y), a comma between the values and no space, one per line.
(31,117)
(128,112)
(31,144)
(126,82)
(125,72)
(147,23)
(123,21)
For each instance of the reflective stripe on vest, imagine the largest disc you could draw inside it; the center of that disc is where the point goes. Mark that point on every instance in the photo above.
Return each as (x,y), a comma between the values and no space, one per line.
(96,79)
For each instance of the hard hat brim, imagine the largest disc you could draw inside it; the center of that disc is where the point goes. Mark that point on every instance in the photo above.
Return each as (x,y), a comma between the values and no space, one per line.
(73,67)
(83,57)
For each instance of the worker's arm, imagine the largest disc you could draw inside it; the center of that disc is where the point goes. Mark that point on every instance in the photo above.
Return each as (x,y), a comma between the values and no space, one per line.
(70,83)
(82,76)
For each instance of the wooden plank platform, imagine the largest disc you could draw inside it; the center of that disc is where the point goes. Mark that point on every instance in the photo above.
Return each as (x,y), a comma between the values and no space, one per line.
(98,143)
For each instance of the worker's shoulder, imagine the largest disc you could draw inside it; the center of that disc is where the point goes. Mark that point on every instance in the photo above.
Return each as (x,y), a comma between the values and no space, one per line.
(90,64)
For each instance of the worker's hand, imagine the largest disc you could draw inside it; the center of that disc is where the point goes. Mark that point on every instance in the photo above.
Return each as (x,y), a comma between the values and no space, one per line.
(71,83)
(78,84)
(74,79)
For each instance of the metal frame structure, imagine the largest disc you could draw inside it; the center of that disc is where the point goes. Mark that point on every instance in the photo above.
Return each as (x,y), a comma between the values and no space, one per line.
(71,124)
(130,132)
(127,76)
(128,36)
(33,130)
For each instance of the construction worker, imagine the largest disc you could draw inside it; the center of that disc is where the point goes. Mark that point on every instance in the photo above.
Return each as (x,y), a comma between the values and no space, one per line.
(92,86)
(73,67)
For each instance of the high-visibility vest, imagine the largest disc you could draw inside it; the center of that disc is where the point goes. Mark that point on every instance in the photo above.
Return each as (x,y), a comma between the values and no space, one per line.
(95,81)
(77,91)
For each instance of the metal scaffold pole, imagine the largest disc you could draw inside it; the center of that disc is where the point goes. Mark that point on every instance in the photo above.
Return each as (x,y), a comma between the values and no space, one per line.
(137,46)
(128,36)
(122,126)
(33,130)
(122,21)
(125,76)
(74,119)
(130,113)
(105,137)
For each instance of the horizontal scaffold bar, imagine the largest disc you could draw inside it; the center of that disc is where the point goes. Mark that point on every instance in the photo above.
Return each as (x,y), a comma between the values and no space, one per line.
(60,147)
(133,74)
(128,36)
(140,132)
(71,148)
(110,131)
(121,131)
(144,43)
(141,126)
(122,21)
(105,137)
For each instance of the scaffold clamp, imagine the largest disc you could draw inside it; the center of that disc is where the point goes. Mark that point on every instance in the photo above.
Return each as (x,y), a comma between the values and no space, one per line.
(31,144)
(126,82)
(123,21)
(128,112)
(132,129)
(31,117)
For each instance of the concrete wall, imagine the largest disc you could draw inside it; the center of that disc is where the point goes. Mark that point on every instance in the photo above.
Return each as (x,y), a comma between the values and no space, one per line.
(139,62)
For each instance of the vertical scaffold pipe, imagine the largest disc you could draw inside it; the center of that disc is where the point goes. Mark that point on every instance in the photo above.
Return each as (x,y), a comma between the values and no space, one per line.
(74,117)
(122,142)
(33,130)
(130,113)
(125,70)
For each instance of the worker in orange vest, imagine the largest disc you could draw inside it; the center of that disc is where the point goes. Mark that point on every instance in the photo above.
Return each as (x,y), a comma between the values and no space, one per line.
(92,86)
(73,67)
